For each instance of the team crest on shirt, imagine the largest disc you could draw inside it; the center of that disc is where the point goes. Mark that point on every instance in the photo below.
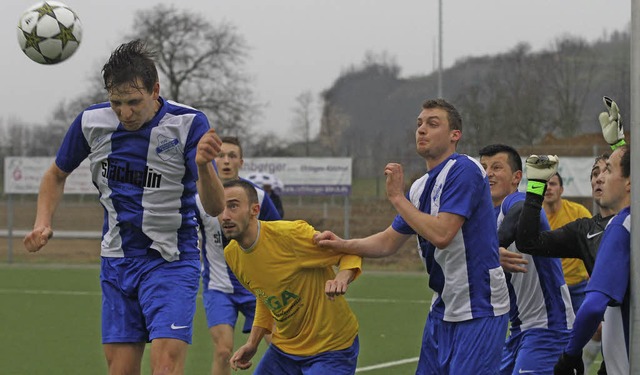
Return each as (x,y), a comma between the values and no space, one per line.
(167,147)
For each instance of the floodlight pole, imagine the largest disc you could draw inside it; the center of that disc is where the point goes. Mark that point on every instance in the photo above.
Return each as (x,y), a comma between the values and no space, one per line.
(634,315)
(439,48)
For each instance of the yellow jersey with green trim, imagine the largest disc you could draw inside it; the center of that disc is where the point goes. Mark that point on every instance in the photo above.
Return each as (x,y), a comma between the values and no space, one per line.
(287,273)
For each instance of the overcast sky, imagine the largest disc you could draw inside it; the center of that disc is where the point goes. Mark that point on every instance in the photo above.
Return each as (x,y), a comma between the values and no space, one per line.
(304,45)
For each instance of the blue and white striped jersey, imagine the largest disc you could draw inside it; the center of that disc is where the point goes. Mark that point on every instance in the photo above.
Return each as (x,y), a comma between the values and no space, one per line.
(216,274)
(611,276)
(539,297)
(146,178)
(466,276)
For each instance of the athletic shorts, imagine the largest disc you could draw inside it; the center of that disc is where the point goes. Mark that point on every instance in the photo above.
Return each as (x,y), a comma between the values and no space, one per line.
(337,362)
(223,308)
(145,298)
(468,347)
(534,351)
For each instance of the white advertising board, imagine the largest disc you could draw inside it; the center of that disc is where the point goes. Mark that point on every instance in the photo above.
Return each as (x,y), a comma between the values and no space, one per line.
(22,175)
(305,176)
(301,176)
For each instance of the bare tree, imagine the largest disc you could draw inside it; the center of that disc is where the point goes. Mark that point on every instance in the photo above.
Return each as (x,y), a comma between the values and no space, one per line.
(333,125)
(202,64)
(571,67)
(304,116)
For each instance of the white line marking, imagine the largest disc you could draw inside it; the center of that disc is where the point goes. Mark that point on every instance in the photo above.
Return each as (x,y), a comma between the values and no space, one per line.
(386,300)
(86,293)
(387,364)
(49,292)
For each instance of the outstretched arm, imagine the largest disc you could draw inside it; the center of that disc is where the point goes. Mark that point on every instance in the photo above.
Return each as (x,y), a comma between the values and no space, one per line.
(51,191)
(529,238)
(378,245)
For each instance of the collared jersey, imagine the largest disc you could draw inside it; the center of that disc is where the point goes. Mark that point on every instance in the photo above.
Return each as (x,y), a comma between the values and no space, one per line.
(466,276)
(287,273)
(539,297)
(216,274)
(611,276)
(146,179)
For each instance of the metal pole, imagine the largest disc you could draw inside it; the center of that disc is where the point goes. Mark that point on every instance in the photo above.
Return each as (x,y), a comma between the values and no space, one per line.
(347,215)
(439,48)
(10,228)
(634,336)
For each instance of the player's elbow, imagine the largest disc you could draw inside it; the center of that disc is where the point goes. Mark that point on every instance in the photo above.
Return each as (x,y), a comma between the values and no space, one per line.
(442,241)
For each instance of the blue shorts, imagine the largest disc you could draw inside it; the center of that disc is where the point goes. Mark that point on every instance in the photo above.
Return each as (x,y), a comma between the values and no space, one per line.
(468,347)
(533,351)
(578,292)
(145,298)
(223,308)
(337,362)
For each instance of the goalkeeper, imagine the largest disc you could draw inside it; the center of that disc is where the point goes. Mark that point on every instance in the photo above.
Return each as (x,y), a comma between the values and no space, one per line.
(580,238)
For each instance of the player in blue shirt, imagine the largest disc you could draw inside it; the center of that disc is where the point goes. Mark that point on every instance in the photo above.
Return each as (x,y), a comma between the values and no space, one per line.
(148,157)
(450,211)
(541,314)
(608,289)
(223,295)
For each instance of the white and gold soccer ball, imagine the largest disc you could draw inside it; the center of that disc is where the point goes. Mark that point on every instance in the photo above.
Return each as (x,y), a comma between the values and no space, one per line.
(49,32)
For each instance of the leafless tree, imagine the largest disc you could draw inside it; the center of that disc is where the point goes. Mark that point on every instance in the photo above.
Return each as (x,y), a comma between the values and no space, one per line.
(570,68)
(202,64)
(304,117)
(333,125)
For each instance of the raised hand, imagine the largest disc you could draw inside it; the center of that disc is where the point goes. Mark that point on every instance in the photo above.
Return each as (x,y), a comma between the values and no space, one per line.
(611,124)
(208,147)
(539,169)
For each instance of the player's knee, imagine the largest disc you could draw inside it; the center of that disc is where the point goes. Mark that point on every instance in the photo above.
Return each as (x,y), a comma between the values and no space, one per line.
(222,353)
(167,362)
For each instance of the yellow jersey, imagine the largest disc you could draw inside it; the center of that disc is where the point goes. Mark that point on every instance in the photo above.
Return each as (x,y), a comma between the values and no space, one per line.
(573,268)
(287,273)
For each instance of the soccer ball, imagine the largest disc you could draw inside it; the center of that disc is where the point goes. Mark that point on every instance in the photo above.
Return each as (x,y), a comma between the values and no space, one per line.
(49,32)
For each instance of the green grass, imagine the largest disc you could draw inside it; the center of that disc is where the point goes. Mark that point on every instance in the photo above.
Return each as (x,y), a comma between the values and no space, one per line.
(50,322)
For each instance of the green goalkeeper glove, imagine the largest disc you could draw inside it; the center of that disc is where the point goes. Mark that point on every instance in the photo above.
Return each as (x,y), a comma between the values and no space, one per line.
(611,124)
(539,169)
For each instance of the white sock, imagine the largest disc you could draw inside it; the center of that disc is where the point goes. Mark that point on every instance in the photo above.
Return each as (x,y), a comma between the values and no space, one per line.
(590,352)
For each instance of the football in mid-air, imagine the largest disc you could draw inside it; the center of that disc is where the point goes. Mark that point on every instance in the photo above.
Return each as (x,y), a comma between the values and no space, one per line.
(49,32)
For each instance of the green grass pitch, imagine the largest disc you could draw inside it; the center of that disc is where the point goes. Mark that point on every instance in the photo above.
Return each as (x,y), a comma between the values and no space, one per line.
(50,323)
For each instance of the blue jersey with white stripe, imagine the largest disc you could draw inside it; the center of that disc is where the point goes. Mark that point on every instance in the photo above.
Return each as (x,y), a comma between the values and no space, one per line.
(611,276)
(539,297)
(466,276)
(216,274)
(146,178)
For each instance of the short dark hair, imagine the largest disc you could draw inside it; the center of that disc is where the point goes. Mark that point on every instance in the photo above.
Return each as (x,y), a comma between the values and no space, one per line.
(232,140)
(455,120)
(128,63)
(248,188)
(559,178)
(513,157)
